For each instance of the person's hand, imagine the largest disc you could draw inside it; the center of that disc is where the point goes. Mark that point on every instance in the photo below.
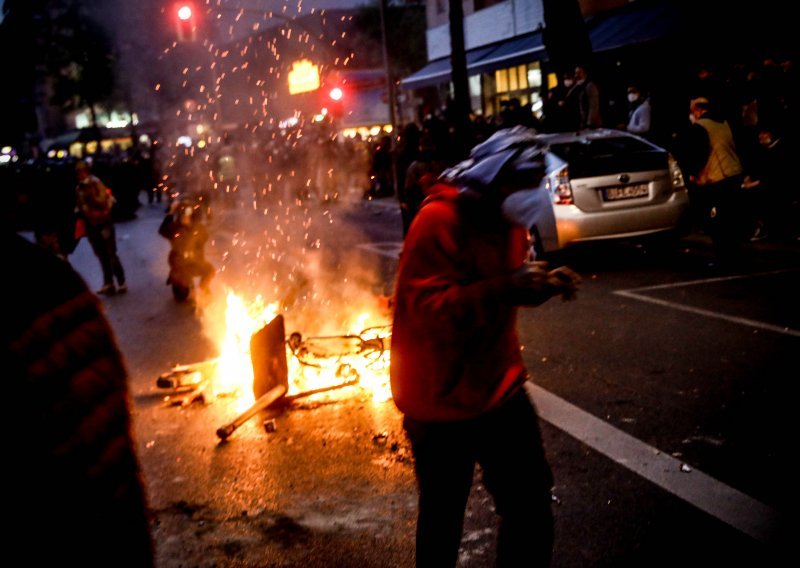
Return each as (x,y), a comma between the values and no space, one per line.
(531,276)
(535,277)
(566,281)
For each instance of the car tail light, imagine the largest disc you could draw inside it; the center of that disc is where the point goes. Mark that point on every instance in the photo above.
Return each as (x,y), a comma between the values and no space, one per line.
(558,184)
(675,174)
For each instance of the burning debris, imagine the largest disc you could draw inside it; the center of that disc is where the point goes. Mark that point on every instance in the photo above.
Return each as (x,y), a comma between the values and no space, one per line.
(187,383)
(371,344)
(335,362)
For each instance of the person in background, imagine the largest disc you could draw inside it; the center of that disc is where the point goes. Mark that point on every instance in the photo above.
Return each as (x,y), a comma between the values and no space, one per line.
(715,177)
(772,200)
(711,84)
(584,96)
(557,114)
(52,199)
(75,494)
(639,111)
(187,234)
(406,151)
(381,168)
(94,204)
(457,372)
(513,113)
(421,175)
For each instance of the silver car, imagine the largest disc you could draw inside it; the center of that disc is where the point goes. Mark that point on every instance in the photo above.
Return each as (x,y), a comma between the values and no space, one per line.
(605,184)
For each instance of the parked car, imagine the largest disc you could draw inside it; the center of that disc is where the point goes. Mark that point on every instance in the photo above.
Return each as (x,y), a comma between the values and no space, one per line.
(605,184)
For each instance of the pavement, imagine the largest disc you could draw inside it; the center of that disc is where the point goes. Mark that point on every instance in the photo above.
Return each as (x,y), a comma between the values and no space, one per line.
(332,484)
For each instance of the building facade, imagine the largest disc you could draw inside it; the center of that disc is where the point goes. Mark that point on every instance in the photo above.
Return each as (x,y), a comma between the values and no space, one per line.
(505,51)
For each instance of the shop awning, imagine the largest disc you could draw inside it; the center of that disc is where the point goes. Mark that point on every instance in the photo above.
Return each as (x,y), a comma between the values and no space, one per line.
(633,25)
(515,51)
(60,141)
(438,71)
(435,72)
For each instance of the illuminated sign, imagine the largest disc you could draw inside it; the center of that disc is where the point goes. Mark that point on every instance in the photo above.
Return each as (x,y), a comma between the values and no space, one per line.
(303,77)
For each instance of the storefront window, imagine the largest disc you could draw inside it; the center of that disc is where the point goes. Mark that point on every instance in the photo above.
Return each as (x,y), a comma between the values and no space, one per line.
(522,82)
(475,93)
(489,86)
(513,84)
(534,76)
(501,80)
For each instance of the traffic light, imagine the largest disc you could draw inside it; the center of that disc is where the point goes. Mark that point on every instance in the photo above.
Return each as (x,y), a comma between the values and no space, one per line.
(336,94)
(335,101)
(186,21)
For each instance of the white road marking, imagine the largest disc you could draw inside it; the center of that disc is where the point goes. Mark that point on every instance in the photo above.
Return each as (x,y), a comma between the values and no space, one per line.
(636,294)
(693,486)
(700,490)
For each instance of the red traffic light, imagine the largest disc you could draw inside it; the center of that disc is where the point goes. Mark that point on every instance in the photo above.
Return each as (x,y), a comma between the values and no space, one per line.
(336,99)
(186,21)
(185,12)
(336,94)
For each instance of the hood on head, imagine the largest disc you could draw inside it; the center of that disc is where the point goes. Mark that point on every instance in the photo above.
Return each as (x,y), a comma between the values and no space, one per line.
(510,156)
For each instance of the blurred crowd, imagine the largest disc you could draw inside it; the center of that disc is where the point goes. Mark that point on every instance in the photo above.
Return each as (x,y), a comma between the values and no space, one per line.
(313,162)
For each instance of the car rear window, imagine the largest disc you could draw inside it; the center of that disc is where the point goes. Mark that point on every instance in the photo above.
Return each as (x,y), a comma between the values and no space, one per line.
(606,156)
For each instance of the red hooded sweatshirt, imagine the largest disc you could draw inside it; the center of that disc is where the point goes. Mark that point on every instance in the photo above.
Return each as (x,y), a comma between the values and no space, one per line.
(455,350)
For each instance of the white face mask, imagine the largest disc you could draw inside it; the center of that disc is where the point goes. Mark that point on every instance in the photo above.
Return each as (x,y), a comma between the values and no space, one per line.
(633,97)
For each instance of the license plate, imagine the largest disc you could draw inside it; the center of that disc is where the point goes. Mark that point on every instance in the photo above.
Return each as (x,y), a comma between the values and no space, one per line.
(625,192)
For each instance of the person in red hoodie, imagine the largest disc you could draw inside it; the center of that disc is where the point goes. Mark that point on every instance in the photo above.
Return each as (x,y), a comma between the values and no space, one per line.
(457,373)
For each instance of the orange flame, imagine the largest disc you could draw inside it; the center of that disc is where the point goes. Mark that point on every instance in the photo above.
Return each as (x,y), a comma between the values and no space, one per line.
(234,367)
(367,360)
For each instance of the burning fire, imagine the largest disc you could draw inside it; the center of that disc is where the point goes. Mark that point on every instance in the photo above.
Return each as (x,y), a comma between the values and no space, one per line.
(234,369)
(362,354)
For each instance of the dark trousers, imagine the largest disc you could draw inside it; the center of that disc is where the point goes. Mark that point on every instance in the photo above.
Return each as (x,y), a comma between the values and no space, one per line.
(507,444)
(718,211)
(103,239)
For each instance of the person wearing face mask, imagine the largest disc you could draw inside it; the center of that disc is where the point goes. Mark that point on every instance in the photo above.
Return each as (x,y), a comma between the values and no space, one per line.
(457,372)
(639,112)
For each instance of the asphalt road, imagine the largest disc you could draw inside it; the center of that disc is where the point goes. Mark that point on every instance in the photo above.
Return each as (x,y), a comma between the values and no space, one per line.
(664,393)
